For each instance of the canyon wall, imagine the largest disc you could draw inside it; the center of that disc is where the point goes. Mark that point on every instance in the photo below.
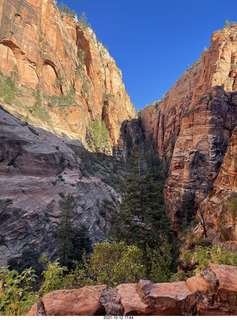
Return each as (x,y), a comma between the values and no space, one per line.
(192,125)
(62,58)
(37,172)
(216,211)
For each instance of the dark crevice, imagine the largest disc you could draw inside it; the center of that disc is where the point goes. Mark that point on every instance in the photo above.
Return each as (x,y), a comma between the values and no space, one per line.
(111,302)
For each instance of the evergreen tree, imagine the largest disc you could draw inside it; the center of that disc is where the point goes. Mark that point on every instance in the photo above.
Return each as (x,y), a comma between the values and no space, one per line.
(38,100)
(74,14)
(15,75)
(71,243)
(80,243)
(83,20)
(141,219)
(227,24)
(66,10)
(65,232)
(61,7)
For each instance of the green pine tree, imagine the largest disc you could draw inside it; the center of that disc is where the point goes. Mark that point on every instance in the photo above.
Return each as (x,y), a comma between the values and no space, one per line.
(142,219)
(227,24)
(74,14)
(65,232)
(61,6)
(66,10)
(80,243)
(83,20)
(15,75)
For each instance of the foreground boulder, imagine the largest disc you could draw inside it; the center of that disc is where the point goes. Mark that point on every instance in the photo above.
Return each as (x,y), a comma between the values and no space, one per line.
(211,292)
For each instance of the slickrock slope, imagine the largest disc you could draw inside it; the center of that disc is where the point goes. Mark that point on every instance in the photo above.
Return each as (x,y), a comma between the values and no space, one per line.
(220,222)
(212,292)
(64,59)
(37,171)
(193,124)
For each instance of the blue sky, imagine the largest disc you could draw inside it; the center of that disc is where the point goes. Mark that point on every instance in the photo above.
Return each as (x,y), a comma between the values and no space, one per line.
(153,42)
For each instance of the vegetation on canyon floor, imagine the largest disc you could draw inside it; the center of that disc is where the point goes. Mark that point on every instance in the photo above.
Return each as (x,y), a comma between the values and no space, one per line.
(140,245)
(110,263)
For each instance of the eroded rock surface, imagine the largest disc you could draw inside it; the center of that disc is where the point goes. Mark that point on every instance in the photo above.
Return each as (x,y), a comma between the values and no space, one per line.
(192,125)
(219,221)
(37,171)
(56,54)
(212,292)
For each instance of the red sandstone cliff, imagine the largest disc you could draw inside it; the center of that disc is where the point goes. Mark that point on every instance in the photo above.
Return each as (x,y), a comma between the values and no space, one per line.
(55,53)
(215,211)
(193,124)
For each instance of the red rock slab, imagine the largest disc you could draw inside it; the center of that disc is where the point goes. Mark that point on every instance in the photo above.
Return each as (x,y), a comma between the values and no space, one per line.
(78,302)
(167,298)
(131,301)
(227,276)
(198,283)
(205,310)
(205,281)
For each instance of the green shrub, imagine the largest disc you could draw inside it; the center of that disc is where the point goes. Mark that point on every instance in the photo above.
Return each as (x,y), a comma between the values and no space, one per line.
(233,205)
(16,296)
(53,277)
(111,264)
(160,262)
(203,256)
(15,75)
(97,137)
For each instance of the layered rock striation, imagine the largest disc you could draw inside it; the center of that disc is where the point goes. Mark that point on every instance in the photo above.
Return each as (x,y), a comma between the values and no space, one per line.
(211,292)
(62,58)
(215,211)
(37,171)
(192,125)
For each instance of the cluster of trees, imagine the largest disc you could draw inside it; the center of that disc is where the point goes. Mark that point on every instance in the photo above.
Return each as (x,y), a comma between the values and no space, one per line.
(97,137)
(71,242)
(110,263)
(229,24)
(140,244)
(9,87)
(71,13)
(66,10)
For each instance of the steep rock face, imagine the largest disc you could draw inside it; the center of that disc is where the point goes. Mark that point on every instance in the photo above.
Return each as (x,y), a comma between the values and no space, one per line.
(212,292)
(219,221)
(55,53)
(194,122)
(37,171)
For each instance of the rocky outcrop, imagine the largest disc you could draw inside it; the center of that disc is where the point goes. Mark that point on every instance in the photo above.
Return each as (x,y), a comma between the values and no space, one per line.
(212,292)
(215,211)
(192,125)
(37,171)
(61,57)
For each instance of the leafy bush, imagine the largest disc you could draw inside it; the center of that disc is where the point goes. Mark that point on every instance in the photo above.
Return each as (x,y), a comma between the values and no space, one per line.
(111,264)
(9,89)
(160,263)
(203,256)
(53,277)
(16,297)
(15,75)
(97,137)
